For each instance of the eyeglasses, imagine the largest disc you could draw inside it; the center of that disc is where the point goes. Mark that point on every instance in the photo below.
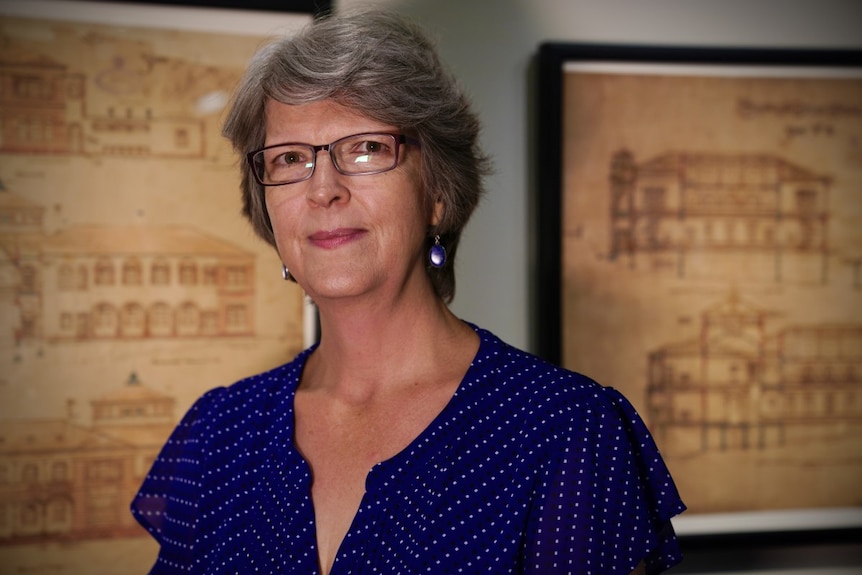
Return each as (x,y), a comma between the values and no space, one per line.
(357,155)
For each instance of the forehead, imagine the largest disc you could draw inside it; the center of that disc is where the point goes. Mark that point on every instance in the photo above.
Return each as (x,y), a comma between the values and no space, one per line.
(316,122)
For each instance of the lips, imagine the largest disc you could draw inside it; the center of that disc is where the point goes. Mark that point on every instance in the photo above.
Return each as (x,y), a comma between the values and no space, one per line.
(330,239)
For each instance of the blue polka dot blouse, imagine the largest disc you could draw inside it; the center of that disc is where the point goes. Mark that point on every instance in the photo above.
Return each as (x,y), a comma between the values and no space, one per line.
(529,469)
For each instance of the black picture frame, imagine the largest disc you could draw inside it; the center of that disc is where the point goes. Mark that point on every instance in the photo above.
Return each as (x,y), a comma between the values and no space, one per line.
(552,57)
(314,7)
(548,214)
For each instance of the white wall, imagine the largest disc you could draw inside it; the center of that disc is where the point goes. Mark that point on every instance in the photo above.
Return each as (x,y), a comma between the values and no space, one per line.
(490,44)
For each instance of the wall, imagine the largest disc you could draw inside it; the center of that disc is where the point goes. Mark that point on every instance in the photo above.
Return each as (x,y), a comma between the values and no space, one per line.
(490,44)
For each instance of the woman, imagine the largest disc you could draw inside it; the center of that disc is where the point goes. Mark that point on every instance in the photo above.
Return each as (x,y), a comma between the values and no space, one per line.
(407,441)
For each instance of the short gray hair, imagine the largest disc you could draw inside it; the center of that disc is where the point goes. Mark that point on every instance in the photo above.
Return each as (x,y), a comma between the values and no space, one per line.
(385,67)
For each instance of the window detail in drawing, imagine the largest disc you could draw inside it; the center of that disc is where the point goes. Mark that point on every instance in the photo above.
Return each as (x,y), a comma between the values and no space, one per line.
(161,319)
(188,319)
(104,272)
(133,273)
(160,273)
(133,320)
(188,273)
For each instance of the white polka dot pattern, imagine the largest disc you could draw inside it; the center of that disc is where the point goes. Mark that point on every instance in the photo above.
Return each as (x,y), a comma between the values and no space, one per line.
(529,469)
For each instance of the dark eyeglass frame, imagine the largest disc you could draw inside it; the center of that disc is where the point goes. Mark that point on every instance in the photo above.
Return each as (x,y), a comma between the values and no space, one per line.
(398,138)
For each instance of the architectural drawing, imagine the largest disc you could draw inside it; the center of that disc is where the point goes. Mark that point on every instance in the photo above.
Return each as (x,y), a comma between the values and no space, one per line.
(129,283)
(743,383)
(46,111)
(97,282)
(692,214)
(737,384)
(711,261)
(61,480)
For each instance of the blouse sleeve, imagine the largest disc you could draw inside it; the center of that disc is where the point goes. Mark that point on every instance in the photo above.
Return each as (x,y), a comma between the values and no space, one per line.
(166,504)
(605,504)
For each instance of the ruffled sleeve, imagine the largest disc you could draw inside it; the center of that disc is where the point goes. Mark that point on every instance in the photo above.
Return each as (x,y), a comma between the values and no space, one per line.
(168,501)
(606,498)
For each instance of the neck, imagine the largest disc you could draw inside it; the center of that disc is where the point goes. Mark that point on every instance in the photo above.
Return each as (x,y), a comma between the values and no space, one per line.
(366,349)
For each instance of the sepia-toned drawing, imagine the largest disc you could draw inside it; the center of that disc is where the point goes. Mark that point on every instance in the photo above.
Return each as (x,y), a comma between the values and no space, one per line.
(739,383)
(90,282)
(129,282)
(61,480)
(711,240)
(695,213)
(46,110)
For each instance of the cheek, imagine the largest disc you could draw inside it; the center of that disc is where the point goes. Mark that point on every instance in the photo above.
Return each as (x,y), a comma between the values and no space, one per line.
(281,219)
(413,203)
(269,203)
(278,210)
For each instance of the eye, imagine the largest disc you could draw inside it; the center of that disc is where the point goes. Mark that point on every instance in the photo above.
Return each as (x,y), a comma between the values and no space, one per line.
(372,145)
(289,158)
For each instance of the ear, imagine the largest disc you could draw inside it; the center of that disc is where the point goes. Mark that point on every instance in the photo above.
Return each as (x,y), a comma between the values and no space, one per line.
(437,212)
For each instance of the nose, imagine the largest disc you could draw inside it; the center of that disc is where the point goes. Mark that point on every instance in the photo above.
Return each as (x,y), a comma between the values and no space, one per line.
(325,185)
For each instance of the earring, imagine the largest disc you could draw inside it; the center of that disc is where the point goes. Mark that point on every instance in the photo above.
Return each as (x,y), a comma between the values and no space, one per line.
(437,254)
(285,274)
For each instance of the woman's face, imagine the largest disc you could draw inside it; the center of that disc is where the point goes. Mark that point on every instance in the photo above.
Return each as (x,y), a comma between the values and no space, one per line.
(340,235)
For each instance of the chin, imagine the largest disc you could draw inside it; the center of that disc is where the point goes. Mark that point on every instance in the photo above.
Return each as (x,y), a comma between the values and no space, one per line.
(335,288)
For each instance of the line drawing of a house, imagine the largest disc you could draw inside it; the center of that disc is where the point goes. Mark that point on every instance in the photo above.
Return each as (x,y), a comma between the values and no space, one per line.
(705,215)
(63,480)
(740,385)
(45,111)
(77,290)
(89,282)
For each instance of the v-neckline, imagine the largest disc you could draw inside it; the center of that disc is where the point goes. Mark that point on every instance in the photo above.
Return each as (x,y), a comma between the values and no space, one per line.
(415,446)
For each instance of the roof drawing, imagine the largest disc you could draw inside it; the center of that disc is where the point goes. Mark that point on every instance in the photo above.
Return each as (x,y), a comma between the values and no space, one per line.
(693,166)
(133,391)
(137,240)
(38,435)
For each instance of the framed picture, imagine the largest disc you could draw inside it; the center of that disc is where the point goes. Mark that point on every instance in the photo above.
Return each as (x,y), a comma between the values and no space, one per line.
(699,247)
(129,282)
(313,7)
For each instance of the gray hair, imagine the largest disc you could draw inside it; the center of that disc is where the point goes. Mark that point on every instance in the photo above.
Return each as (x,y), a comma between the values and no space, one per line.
(386,68)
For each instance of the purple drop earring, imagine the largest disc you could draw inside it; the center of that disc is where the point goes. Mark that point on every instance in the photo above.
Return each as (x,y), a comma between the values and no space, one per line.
(285,273)
(437,254)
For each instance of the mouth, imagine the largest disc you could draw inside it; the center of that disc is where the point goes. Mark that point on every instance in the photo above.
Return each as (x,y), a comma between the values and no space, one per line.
(330,239)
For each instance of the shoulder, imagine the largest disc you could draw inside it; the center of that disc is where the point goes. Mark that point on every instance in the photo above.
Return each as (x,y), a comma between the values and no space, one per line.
(544,382)
(253,396)
(552,400)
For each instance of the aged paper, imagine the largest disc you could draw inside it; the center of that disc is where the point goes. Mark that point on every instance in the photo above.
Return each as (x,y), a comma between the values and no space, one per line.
(712,250)
(129,282)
